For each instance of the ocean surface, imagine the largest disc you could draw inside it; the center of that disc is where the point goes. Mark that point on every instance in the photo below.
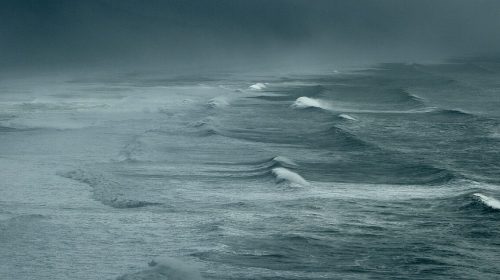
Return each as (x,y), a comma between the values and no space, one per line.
(388,172)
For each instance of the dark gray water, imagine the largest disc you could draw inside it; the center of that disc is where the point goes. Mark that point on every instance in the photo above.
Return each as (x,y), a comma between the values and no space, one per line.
(390,172)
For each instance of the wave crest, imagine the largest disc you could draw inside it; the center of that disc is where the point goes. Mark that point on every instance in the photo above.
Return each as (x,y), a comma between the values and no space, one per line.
(258,86)
(487,201)
(307,102)
(347,117)
(283,174)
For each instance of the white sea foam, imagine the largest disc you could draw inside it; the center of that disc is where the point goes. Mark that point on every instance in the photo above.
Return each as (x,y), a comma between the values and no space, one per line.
(258,86)
(283,174)
(347,117)
(307,102)
(488,201)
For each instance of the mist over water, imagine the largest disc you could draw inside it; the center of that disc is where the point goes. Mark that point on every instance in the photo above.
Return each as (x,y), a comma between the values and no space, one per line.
(189,140)
(199,36)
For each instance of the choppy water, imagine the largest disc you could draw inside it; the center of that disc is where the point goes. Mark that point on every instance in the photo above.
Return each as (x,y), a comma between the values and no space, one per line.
(383,173)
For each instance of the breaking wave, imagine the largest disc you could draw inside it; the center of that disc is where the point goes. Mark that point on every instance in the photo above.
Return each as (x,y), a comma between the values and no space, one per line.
(487,201)
(307,102)
(347,117)
(283,174)
(258,86)
(284,160)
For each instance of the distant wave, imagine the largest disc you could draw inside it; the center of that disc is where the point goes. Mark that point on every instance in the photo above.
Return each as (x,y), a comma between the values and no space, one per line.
(426,174)
(451,112)
(164,268)
(413,99)
(260,170)
(206,127)
(284,160)
(26,218)
(105,190)
(277,161)
(304,102)
(258,86)
(307,102)
(347,117)
(487,201)
(341,138)
(53,122)
(283,174)
(217,102)
(128,203)
(10,129)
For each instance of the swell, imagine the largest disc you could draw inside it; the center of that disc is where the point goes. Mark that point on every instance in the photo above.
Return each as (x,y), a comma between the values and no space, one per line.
(13,129)
(343,139)
(279,168)
(363,161)
(292,93)
(333,137)
(376,167)
(373,168)
(206,127)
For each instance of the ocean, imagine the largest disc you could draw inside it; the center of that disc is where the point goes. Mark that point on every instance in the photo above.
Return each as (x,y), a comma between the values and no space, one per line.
(385,172)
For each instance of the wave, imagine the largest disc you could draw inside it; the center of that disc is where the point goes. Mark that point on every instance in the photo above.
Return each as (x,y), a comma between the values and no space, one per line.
(284,160)
(106,191)
(487,201)
(425,174)
(217,102)
(11,129)
(283,174)
(52,122)
(340,138)
(347,117)
(165,268)
(26,218)
(307,102)
(269,164)
(366,101)
(451,112)
(413,99)
(259,170)
(128,203)
(206,127)
(258,86)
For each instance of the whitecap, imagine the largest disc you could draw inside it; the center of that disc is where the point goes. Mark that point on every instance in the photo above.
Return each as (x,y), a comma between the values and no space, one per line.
(488,201)
(347,117)
(284,160)
(307,102)
(258,86)
(283,174)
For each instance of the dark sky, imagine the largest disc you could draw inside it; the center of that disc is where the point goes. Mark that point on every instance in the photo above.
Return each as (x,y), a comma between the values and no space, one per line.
(211,34)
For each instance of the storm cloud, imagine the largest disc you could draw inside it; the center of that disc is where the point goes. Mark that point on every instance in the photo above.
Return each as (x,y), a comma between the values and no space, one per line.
(63,34)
